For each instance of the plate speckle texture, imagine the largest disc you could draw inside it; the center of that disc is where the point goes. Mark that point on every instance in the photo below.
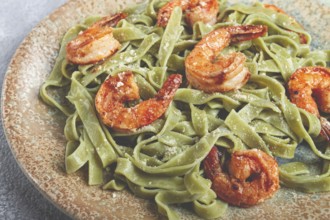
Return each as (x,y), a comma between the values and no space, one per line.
(35,131)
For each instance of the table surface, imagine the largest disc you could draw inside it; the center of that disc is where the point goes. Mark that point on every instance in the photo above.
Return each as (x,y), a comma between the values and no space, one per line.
(19,199)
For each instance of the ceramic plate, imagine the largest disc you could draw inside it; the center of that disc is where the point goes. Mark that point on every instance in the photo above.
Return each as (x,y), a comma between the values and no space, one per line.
(35,131)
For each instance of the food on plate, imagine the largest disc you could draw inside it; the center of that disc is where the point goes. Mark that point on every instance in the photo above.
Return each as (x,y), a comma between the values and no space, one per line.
(160,153)
(208,70)
(117,90)
(309,89)
(252,176)
(205,11)
(95,43)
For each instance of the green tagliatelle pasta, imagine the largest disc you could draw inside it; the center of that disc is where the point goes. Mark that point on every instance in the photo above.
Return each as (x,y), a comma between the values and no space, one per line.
(162,161)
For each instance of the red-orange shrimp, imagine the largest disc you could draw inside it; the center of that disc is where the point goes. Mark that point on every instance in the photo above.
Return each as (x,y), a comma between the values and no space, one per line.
(208,71)
(252,177)
(196,10)
(309,89)
(116,90)
(95,43)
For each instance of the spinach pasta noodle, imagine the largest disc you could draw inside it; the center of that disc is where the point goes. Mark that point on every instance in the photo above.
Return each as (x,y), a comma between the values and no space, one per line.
(162,160)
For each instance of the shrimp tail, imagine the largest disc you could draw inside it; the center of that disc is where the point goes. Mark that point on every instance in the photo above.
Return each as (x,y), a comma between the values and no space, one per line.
(325,129)
(246,32)
(169,88)
(211,164)
(111,21)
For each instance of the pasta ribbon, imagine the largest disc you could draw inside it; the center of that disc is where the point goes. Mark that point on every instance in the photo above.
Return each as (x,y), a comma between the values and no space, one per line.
(162,161)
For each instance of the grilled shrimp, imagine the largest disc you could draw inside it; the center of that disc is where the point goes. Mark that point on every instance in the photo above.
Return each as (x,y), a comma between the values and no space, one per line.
(115,91)
(95,43)
(303,38)
(196,10)
(208,71)
(252,177)
(309,89)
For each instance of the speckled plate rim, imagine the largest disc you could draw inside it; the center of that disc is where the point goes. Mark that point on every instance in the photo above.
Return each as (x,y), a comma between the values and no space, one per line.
(53,184)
